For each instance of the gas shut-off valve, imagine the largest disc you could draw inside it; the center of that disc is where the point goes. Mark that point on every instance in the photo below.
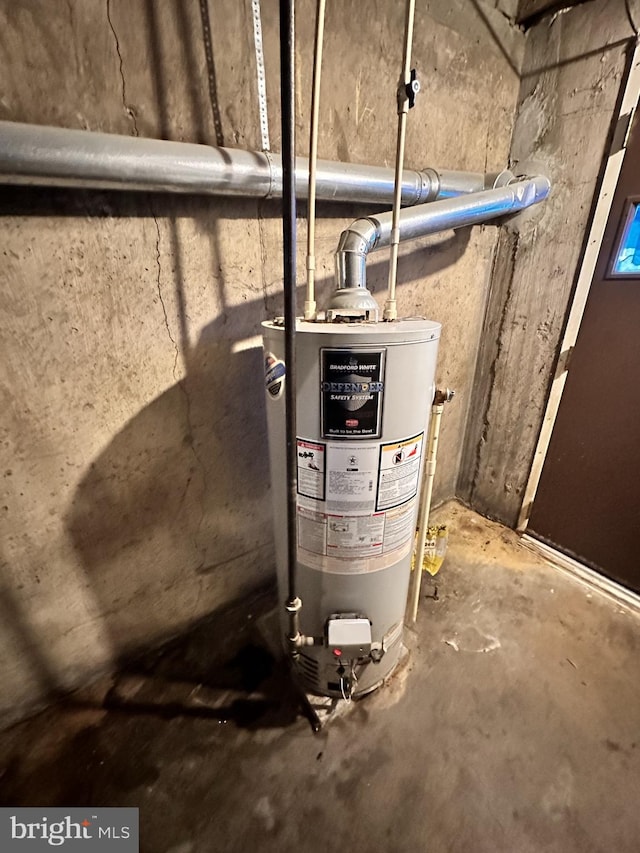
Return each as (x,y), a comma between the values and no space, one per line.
(407,92)
(349,637)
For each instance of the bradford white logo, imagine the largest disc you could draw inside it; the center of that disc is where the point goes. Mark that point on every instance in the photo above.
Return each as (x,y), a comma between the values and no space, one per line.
(357,386)
(351,392)
(114,829)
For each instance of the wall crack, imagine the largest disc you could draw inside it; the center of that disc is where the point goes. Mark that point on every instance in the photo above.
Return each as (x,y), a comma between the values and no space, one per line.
(127,107)
(263,256)
(182,385)
(493,367)
(190,439)
(161,298)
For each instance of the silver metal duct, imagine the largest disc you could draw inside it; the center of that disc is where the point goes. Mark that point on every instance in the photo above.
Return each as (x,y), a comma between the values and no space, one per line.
(460,183)
(374,232)
(37,155)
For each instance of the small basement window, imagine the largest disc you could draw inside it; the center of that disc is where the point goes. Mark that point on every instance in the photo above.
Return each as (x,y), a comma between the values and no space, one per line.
(626,260)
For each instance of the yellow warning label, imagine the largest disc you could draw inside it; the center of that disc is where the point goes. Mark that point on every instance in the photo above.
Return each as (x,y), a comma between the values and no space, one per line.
(401,445)
(399,472)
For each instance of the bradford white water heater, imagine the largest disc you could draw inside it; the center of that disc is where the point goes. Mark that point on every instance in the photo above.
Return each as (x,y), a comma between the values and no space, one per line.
(364,393)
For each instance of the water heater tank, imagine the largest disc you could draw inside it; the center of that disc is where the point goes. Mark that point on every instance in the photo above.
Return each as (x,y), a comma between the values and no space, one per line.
(363,399)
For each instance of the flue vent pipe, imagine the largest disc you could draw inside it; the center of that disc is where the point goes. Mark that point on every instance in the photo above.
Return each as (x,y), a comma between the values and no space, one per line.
(374,232)
(36,155)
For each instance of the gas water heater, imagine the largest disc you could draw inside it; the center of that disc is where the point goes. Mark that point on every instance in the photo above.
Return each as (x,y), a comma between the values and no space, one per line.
(364,393)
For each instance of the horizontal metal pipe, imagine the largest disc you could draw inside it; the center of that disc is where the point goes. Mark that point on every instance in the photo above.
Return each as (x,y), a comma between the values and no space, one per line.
(466,210)
(374,232)
(36,155)
(460,183)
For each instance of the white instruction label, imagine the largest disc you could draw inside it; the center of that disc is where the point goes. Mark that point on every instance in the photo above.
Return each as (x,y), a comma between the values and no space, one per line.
(355,535)
(398,526)
(312,531)
(356,503)
(311,469)
(352,473)
(399,472)
(352,544)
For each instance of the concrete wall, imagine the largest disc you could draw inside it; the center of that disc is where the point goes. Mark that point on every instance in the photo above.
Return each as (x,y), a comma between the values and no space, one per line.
(571,78)
(133,478)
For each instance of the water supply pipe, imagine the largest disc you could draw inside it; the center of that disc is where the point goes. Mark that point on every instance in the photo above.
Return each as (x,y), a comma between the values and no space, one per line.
(310,307)
(440,398)
(36,155)
(405,100)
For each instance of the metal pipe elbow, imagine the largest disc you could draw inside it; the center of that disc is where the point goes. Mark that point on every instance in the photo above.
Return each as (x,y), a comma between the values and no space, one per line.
(355,243)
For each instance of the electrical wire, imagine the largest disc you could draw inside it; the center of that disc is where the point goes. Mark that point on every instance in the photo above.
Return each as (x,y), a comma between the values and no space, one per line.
(344,695)
(354,678)
(634,26)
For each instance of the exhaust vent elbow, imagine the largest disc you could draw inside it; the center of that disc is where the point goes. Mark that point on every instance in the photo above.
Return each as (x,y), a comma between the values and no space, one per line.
(360,238)
(351,299)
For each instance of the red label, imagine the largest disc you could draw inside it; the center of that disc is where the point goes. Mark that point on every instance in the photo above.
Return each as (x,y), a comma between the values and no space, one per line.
(351,423)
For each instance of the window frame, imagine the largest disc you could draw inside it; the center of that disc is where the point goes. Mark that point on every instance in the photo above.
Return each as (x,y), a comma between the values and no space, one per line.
(631,209)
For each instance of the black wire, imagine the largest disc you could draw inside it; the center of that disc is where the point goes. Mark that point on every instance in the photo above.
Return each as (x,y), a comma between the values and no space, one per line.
(627,7)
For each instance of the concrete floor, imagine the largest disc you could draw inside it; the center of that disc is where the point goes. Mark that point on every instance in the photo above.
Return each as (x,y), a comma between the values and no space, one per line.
(514,726)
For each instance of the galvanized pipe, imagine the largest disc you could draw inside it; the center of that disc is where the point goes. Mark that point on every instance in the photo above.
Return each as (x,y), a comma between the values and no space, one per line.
(374,232)
(390,306)
(460,183)
(36,155)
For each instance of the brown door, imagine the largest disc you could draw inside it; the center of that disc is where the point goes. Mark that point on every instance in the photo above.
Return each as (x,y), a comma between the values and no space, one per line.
(588,500)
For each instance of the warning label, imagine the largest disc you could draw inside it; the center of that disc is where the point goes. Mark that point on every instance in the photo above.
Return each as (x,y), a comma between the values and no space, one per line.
(399,472)
(356,503)
(311,469)
(398,526)
(359,535)
(352,544)
(351,478)
(312,531)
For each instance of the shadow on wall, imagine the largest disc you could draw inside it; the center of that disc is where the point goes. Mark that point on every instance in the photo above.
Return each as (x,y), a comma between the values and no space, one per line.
(183,487)
(173,517)
(180,491)
(30,651)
